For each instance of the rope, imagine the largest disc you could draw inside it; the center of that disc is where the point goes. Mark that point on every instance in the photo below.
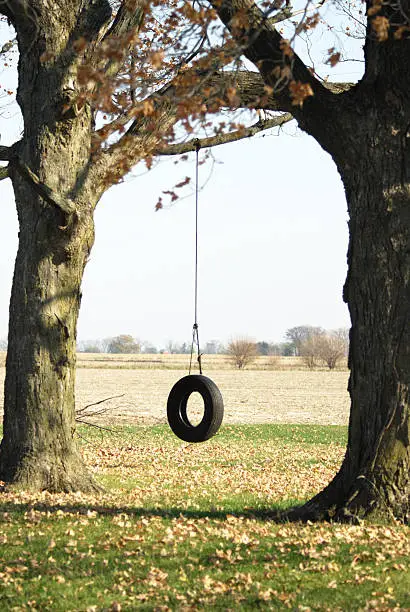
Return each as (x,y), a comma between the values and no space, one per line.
(195,334)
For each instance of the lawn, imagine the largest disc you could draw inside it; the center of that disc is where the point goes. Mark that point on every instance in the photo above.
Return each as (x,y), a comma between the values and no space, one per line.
(187,527)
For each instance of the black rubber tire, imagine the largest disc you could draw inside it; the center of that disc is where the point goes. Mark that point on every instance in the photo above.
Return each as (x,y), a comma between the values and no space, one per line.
(177,408)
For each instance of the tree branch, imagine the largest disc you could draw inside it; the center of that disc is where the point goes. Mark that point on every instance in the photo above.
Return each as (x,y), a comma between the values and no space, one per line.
(269,51)
(4,172)
(6,153)
(66,205)
(83,411)
(146,134)
(282,15)
(8,8)
(287,13)
(21,14)
(214,141)
(92,22)
(152,121)
(128,17)
(253,93)
(128,20)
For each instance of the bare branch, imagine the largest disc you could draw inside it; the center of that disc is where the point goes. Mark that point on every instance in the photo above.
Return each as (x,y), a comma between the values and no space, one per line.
(66,205)
(250,91)
(213,141)
(287,13)
(4,172)
(82,414)
(106,399)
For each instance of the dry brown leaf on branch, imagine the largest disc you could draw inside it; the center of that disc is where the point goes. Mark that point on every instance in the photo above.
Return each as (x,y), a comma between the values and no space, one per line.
(286,48)
(334,57)
(186,180)
(380,26)
(375,8)
(401,31)
(299,92)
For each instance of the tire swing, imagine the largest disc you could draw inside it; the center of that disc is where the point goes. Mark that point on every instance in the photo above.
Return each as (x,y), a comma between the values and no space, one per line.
(178,419)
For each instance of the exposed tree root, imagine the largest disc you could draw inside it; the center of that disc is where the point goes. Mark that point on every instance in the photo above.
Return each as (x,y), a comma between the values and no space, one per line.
(364,501)
(45,473)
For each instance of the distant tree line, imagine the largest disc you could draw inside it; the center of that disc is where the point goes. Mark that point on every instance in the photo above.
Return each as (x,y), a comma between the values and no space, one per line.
(123,344)
(315,345)
(126,344)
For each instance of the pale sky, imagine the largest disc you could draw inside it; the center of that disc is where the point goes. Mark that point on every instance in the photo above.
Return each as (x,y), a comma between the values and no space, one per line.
(272,246)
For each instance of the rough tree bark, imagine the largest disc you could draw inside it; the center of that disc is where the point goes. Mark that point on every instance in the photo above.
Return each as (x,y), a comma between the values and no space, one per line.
(375,475)
(366,131)
(38,449)
(376,472)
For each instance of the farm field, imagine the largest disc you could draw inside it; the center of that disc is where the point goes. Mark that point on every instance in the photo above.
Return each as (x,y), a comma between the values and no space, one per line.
(289,394)
(181,361)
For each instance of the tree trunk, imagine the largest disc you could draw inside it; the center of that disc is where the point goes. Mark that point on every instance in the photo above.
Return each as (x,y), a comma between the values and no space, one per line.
(375,168)
(38,450)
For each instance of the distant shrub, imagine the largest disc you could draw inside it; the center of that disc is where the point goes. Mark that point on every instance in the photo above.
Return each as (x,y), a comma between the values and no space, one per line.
(242,352)
(124,344)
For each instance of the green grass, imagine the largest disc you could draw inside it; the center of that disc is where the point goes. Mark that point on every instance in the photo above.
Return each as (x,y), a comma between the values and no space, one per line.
(307,434)
(258,434)
(186,527)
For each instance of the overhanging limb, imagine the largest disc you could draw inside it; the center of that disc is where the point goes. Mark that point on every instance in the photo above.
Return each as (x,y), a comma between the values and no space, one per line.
(6,153)
(214,141)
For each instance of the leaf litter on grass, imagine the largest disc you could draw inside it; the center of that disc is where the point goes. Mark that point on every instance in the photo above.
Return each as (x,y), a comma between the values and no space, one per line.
(185,527)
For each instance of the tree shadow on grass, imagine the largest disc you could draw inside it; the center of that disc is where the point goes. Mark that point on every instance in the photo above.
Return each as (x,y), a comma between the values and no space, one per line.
(273,513)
